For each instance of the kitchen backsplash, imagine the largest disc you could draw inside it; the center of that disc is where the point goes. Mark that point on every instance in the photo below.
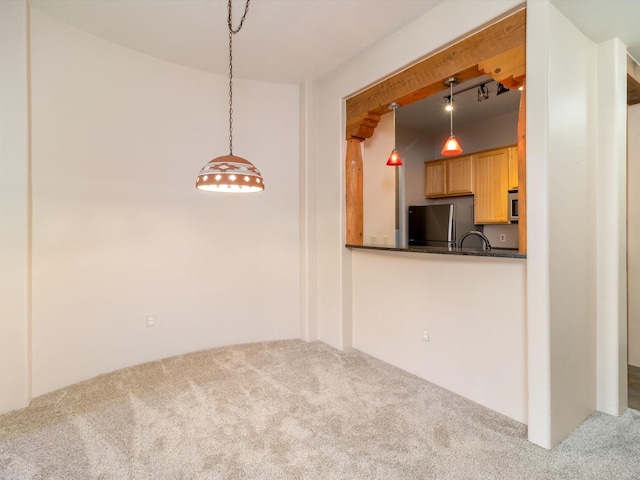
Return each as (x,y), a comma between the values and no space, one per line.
(510,233)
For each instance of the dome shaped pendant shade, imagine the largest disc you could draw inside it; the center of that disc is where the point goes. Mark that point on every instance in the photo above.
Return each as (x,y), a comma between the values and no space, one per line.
(230,173)
(451,146)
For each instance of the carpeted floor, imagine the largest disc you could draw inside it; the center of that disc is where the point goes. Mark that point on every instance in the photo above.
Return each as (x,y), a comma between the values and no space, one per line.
(291,410)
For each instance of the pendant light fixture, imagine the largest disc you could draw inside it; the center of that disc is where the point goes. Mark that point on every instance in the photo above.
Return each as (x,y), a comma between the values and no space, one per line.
(451,146)
(230,173)
(394,159)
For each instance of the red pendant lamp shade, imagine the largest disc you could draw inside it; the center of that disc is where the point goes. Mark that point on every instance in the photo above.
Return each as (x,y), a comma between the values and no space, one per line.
(394,159)
(451,147)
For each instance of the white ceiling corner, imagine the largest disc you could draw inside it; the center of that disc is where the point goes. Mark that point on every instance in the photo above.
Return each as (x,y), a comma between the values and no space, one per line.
(284,41)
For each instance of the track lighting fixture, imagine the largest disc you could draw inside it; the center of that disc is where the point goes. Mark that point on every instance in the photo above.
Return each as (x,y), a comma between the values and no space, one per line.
(501,89)
(483,92)
(448,104)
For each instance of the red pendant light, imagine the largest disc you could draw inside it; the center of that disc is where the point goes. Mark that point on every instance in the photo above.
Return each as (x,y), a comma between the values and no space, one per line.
(394,159)
(451,145)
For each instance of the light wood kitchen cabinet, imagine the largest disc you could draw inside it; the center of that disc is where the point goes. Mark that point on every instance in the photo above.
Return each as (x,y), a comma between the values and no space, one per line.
(491,186)
(513,168)
(448,177)
(435,183)
(488,176)
(459,173)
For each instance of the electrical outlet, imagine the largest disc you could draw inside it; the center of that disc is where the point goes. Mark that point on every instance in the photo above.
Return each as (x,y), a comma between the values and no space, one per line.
(425,335)
(374,239)
(386,239)
(503,237)
(151,321)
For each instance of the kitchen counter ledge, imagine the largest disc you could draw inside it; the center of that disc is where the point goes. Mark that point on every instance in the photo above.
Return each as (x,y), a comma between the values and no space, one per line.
(494,252)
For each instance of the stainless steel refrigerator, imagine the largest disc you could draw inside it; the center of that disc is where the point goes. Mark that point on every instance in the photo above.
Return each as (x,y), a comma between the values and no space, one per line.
(441,225)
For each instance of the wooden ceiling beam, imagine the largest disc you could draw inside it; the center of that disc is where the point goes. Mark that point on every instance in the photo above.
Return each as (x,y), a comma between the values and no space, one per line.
(426,77)
(633,81)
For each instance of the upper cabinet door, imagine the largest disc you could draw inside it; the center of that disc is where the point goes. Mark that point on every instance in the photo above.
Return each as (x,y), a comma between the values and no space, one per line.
(460,175)
(491,186)
(513,168)
(448,177)
(435,184)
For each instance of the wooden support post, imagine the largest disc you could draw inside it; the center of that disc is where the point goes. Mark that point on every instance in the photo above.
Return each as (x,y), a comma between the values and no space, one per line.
(522,171)
(354,195)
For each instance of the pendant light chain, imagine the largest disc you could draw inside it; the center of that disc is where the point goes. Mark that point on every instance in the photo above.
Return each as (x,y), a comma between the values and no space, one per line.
(232,32)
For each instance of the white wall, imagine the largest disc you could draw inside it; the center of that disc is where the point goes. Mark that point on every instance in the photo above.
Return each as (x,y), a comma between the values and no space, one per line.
(340,272)
(307,217)
(562,148)
(561,280)
(14,207)
(379,185)
(119,230)
(477,344)
(416,148)
(611,188)
(409,44)
(633,245)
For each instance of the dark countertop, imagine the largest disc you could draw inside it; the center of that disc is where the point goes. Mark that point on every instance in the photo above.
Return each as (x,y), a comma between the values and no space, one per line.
(494,252)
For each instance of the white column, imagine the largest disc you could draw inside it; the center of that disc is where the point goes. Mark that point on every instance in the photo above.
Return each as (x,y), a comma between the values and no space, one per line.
(307,219)
(15,363)
(612,227)
(562,257)
(538,283)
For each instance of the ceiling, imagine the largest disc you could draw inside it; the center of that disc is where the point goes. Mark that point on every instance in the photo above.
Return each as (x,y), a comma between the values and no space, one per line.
(602,20)
(283,41)
(290,41)
(429,115)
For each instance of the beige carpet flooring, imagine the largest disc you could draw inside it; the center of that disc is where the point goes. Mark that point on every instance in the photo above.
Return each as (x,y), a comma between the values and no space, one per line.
(291,410)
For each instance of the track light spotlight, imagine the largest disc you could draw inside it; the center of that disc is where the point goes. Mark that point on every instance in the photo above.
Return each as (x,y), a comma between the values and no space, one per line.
(448,104)
(483,92)
(501,89)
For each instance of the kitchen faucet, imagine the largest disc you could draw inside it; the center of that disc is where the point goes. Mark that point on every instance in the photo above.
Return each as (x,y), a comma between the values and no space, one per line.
(486,246)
